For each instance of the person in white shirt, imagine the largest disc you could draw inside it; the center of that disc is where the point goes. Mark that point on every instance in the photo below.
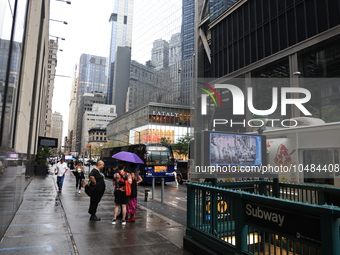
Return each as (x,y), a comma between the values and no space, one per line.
(60,170)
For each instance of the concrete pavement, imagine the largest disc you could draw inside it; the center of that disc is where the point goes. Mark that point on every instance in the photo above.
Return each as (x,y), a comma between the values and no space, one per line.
(52,223)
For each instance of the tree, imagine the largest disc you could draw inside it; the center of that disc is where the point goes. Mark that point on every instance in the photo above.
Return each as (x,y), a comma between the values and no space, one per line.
(96,149)
(164,140)
(42,154)
(182,145)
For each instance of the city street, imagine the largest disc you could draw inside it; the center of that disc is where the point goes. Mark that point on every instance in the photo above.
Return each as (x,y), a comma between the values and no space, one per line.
(46,217)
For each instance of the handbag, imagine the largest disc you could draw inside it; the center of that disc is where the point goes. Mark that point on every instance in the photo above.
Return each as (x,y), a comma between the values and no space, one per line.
(127,188)
(89,188)
(83,183)
(133,189)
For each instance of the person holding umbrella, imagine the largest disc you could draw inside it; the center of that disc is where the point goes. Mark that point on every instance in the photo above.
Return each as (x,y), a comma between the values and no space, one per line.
(131,206)
(119,179)
(121,199)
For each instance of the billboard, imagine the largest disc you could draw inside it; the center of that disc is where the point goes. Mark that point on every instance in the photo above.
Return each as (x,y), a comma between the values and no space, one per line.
(48,141)
(235,149)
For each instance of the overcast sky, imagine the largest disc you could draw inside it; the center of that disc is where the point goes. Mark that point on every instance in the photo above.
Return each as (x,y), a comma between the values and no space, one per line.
(89,30)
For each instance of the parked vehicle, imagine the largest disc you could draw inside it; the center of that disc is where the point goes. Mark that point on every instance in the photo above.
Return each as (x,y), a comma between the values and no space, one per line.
(182,171)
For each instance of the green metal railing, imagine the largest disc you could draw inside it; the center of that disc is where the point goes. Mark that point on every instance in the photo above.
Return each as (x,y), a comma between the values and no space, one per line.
(238,222)
(312,194)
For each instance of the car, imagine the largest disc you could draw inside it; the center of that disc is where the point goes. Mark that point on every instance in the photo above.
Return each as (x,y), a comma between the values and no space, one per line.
(182,171)
(91,162)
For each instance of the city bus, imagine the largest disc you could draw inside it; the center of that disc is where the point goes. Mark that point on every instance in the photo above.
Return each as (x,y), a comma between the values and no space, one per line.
(158,161)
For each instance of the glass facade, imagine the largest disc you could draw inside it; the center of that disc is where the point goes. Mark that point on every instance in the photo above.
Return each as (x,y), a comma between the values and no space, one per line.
(188,39)
(258,29)
(92,75)
(262,45)
(217,7)
(150,123)
(320,66)
(163,39)
(12,173)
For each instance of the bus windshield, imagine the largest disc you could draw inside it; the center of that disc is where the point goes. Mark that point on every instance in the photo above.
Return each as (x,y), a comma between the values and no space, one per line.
(157,155)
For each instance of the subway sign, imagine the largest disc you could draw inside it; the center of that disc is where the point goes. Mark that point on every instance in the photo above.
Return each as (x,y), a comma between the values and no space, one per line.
(284,222)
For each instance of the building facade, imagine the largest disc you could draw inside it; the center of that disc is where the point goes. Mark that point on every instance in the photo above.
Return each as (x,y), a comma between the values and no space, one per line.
(121,35)
(97,141)
(52,64)
(72,117)
(144,85)
(150,123)
(121,78)
(160,54)
(282,44)
(99,116)
(24,48)
(92,77)
(57,128)
(84,105)
(188,42)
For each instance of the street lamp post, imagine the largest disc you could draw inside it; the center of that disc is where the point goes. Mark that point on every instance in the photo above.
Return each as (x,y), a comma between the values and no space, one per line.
(64,22)
(61,38)
(67,2)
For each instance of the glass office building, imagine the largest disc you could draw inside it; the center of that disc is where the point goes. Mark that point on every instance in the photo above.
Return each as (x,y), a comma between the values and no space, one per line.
(92,75)
(247,42)
(162,31)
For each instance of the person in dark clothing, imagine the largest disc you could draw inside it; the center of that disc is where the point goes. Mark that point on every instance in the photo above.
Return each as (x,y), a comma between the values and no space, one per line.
(120,191)
(79,173)
(97,179)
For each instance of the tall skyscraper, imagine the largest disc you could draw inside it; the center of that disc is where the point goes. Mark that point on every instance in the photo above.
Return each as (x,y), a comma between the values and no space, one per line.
(160,54)
(188,39)
(52,63)
(121,35)
(188,28)
(92,75)
(121,78)
(175,65)
(72,120)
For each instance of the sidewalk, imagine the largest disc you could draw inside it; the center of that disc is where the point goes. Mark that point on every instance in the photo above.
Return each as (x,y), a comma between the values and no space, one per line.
(49,223)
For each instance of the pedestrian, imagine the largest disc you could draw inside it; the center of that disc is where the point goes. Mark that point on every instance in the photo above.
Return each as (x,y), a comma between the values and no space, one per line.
(97,179)
(60,170)
(79,173)
(131,206)
(71,166)
(120,191)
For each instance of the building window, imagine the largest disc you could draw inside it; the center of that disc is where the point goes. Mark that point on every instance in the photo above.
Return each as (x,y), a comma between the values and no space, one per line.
(114,17)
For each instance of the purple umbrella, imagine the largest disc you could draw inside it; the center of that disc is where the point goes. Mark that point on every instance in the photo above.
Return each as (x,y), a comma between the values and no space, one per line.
(128,156)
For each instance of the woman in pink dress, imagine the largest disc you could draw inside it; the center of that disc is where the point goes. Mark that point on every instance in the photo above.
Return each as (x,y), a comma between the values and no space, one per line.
(131,206)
